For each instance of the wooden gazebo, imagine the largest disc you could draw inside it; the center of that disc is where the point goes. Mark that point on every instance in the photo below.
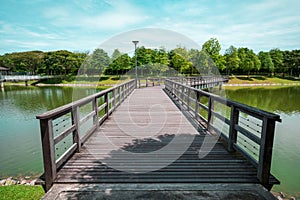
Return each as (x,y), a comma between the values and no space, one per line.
(4,70)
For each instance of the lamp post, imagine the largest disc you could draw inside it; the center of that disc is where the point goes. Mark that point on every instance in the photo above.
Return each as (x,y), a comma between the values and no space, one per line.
(135,43)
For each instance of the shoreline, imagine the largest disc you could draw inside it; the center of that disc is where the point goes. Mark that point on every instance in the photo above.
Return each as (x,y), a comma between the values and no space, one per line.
(26,180)
(259,84)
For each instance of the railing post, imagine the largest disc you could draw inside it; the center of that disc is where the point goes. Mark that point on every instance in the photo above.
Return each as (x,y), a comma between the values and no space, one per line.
(96,116)
(119,92)
(188,99)
(107,104)
(48,152)
(197,105)
(210,114)
(75,121)
(234,119)
(182,94)
(114,100)
(125,91)
(266,148)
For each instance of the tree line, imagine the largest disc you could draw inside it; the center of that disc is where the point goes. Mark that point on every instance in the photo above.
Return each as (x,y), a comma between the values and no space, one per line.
(156,61)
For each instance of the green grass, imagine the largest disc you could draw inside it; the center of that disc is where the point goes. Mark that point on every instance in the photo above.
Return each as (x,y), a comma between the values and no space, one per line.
(21,192)
(103,80)
(260,80)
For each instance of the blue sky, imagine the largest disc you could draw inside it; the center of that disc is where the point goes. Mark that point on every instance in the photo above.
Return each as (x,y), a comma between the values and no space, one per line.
(82,25)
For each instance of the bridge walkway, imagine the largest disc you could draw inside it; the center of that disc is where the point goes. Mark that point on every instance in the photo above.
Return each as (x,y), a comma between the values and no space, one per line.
(148,140)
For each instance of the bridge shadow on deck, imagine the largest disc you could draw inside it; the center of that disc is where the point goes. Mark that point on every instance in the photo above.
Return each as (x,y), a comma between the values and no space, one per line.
(99,180)
(144,161)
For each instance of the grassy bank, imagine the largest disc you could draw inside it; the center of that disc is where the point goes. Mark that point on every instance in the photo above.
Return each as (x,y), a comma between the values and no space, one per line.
(21,192)
(97,80)
(261,80)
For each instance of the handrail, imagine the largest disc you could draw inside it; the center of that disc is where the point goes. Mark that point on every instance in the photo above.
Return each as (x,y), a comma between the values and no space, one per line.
(204,81)
(237,126)
(65,125)
(193,81)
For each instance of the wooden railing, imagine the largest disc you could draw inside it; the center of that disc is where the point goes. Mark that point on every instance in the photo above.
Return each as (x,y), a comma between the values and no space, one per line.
(245,129)
(193,81)
(65,129)
(150,82)
(201,81)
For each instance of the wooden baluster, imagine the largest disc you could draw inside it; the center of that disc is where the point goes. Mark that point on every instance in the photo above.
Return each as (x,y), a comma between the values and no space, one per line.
(114,100)
(234,119)
(188,99)
(197,104)
(182,94)
(210,114)
(106,99)
(96,116)
(119,92)
(48,152)
(75,121)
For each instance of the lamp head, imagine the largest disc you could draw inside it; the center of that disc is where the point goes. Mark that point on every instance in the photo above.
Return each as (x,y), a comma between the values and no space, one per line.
(135,42)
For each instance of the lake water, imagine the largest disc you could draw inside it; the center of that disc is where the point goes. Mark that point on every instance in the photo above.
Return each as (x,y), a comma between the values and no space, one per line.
(20,143)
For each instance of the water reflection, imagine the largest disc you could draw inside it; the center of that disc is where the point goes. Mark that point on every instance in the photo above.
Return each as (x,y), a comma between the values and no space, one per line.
(272,99)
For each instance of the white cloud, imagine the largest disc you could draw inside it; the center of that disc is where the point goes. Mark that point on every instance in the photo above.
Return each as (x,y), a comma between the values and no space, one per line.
(25,44)
(121,15)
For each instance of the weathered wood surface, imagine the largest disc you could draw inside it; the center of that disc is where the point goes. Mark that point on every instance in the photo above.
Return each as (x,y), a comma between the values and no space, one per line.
(149,132)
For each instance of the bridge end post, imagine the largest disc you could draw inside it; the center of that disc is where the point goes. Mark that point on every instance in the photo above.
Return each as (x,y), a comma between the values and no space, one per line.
(266,148)
(48,152)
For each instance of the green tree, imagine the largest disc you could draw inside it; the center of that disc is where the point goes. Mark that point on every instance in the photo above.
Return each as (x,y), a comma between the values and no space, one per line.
(212,47)
(160,60)
(120,65)
(266,62)
(277,59)
(180,64)
(291,62)
(193,58)
(182,51)
(232,59)
(115,54)
(97,62)
(249,60)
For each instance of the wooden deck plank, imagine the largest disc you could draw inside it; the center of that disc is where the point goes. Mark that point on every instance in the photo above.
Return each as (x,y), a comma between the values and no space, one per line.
(147,122)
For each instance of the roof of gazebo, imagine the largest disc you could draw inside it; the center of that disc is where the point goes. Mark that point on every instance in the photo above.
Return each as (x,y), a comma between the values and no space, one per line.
(3,69)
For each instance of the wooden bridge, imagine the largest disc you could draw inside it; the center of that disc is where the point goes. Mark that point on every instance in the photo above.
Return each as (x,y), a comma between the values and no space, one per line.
(171,134)
(25,78)
(199,82)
